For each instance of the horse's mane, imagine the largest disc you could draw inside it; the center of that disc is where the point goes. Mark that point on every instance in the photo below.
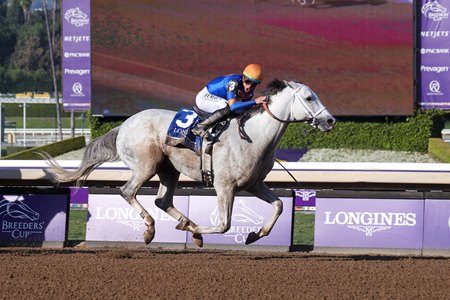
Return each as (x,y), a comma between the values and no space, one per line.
(273,88)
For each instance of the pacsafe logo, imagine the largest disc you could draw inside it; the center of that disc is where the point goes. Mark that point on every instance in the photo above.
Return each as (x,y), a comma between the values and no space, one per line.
(18,218)
(434,11)
(76,17)
(370,222)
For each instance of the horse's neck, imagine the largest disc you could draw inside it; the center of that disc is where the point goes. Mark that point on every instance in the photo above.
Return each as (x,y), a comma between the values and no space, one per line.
(263,125)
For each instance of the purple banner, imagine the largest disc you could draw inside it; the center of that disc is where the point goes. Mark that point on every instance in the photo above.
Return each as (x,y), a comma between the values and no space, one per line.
(250,214)
(435,54)
(33,217)
(111,218)
(369,223)
(76,58)
(437,224)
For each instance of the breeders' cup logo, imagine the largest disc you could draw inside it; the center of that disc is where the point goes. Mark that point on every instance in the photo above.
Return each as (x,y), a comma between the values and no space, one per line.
(77,17)
(434,88)
(18,218)
(434,11)
(306,195)
(247,221)
(370,222)
(77,89)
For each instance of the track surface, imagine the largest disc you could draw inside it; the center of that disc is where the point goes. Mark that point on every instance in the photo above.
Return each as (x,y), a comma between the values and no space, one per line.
(77,273)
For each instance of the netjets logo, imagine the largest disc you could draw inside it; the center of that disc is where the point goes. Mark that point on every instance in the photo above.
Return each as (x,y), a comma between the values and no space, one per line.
(246,219)
(370,222)
(434,11)
(77,89)
(18,218)
(434,88)
(76,17)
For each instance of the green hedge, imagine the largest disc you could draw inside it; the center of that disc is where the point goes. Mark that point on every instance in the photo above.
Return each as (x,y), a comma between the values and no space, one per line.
(53,149)
(439,149)
(100,127)
(401,134)
(398,134)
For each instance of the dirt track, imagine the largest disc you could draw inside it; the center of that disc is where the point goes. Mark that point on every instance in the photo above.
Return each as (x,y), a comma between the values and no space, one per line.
(198,274)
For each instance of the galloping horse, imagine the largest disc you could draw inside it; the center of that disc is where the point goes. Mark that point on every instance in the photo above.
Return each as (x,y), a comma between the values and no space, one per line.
(238,163)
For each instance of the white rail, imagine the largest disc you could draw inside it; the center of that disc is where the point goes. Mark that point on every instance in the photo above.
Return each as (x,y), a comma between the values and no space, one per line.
(436,176)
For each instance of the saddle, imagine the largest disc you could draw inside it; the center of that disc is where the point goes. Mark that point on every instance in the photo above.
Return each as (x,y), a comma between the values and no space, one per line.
(179,134)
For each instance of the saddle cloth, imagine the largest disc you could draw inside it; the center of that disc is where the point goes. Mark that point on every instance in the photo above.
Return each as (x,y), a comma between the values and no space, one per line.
(179,133)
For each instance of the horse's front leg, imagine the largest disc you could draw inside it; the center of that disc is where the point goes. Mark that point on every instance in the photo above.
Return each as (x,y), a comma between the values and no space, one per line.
(262,191)
(225,199)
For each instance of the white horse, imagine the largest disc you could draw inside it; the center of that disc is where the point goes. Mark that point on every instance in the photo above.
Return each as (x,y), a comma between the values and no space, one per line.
(238,164)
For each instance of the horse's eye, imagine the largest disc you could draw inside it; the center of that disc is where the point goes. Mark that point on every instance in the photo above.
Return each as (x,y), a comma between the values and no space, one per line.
(309,98)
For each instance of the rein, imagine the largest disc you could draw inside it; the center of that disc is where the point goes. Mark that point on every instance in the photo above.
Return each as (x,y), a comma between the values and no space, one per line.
(313,120)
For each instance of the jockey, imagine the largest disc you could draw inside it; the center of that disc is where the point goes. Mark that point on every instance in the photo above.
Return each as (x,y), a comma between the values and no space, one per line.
(226,94)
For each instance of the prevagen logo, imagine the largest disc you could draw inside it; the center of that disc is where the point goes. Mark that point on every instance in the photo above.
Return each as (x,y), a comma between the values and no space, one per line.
(18,218)
(76,17)
(434,88)
(246,221)
(370,222)
(434,11)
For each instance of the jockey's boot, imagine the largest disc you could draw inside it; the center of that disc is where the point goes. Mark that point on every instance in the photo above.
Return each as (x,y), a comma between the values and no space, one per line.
(201,128)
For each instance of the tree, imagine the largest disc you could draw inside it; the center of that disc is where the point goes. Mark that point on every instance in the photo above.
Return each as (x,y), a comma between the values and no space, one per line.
(25,5)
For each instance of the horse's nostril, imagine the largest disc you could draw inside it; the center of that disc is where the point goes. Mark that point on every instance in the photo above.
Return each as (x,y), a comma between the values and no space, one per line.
(331,121)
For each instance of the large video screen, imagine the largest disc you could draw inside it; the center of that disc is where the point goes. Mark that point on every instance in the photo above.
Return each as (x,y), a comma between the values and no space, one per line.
(357,55)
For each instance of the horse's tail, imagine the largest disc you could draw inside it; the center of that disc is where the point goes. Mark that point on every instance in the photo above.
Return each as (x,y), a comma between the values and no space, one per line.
(100,150)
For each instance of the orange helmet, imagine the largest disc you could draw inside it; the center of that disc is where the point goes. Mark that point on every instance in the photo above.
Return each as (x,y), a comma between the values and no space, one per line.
(253,72)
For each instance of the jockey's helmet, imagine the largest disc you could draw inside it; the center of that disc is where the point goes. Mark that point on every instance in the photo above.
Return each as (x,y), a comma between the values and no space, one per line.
(253,72)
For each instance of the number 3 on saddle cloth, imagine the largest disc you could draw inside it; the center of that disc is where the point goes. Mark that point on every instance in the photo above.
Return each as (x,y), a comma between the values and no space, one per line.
(179,133)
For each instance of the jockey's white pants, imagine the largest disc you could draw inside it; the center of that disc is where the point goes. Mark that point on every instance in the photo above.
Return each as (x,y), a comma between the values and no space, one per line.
(209,102)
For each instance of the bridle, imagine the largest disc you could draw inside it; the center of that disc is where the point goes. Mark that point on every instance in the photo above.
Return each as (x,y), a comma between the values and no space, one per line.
(313,115)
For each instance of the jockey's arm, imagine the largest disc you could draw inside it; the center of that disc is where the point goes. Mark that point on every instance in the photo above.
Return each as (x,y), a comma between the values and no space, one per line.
(238,105)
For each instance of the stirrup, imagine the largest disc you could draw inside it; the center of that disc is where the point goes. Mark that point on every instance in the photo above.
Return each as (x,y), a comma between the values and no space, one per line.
(200,132)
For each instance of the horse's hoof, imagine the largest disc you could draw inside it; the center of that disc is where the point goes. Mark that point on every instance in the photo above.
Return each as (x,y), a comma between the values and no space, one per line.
(149,234)
(251,238)
(197,239)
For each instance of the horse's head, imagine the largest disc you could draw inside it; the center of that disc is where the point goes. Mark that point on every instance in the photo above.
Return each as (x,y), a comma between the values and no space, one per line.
(76,16)
(243,213)
(17,209)
(306,106)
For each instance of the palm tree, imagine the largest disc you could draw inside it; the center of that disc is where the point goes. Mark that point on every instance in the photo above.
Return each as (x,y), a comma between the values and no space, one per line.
(25,4)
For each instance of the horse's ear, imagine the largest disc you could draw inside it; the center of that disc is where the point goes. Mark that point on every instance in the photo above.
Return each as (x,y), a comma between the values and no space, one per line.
(288,84)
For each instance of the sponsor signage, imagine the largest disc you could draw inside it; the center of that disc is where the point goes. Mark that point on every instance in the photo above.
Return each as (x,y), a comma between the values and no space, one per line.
(304,197)
(112,219)
(79,197)
(33,217)
(369,223)
(437,224)
(250,214)
(76,56)
(435,54)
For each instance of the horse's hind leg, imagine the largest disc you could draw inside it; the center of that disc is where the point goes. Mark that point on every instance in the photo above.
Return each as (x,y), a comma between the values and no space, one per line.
(262,191)
(129,191)
(164,200)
